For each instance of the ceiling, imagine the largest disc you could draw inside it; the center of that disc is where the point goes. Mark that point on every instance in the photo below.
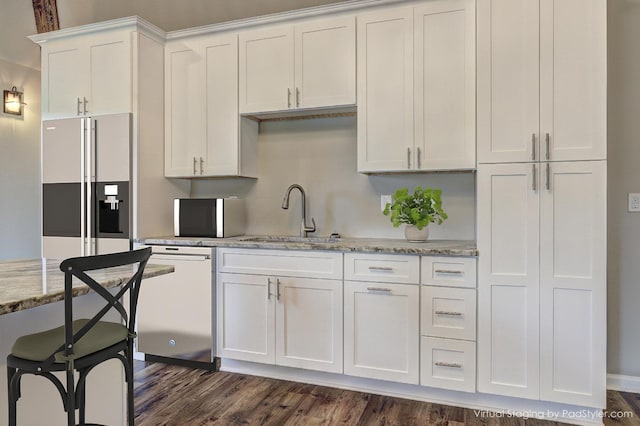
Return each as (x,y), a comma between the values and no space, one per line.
(17,20)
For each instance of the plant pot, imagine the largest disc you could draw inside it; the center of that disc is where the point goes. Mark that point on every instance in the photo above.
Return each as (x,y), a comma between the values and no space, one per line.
(413,234)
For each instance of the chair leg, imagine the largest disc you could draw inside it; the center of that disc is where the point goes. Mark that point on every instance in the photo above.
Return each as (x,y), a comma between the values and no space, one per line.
(13,398)
(129,377)
(81,393)
(71,398)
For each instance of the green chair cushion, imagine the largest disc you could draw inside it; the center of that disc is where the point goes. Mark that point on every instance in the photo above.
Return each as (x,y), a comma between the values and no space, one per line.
(40,346)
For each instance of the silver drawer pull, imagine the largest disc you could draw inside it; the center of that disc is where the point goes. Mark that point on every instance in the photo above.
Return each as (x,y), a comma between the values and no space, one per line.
(448,271)
(448,364)
(449,313)
(381,268)
(386,290)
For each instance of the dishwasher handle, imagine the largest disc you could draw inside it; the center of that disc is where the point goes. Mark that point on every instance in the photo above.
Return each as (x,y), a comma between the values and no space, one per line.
(179,256)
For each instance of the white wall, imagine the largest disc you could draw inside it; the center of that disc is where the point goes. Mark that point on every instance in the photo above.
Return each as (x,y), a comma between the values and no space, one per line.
(624,177)
(320,155)
(20,167)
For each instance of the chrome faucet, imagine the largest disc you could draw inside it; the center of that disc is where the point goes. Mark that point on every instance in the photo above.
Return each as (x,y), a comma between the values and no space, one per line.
(304,229)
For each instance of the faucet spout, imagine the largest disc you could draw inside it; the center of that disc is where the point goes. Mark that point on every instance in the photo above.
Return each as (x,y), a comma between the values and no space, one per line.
(304,228)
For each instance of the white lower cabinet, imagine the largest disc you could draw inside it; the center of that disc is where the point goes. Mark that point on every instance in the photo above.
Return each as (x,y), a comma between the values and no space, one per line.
(448,363)
(291,321)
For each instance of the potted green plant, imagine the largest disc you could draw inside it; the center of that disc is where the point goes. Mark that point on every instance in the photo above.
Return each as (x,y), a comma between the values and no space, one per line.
(416,210)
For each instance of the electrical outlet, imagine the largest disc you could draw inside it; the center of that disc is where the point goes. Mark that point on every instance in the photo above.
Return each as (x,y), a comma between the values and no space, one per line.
(634,203)
(384,199)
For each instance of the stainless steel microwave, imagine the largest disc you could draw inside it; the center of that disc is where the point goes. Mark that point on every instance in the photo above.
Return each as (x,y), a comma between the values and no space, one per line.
(208,217)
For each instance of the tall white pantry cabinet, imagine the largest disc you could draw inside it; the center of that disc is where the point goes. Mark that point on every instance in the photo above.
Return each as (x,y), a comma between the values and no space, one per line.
(542,199)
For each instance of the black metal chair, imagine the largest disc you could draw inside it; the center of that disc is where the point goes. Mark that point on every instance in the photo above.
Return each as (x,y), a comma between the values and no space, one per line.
(80,345)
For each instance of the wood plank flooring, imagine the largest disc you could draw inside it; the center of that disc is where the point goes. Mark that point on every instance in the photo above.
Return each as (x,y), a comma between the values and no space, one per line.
(172,395)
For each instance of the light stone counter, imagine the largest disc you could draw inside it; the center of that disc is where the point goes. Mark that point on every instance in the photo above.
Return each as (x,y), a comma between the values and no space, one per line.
(370,245)
(29,283)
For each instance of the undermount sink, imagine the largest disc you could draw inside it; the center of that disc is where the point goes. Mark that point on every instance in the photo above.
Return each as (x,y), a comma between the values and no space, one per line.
(289,239)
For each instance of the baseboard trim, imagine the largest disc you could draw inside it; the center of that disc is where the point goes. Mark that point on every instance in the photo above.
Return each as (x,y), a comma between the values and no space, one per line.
(619,382)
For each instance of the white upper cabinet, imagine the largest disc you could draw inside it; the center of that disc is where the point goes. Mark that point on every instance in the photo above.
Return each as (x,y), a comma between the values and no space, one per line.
(87,75)
(416,88)
(445,85)
(385,91)
(541,80)
(204,136)
(309,65)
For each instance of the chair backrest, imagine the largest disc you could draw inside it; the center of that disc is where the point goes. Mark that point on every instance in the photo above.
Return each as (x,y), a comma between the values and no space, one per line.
(79,266)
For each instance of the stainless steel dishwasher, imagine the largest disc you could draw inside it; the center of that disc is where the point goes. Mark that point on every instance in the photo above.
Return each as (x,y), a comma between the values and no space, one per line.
(176,311)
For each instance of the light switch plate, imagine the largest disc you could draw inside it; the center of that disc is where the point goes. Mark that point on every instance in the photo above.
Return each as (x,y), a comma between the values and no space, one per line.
(634,203)
(384,199)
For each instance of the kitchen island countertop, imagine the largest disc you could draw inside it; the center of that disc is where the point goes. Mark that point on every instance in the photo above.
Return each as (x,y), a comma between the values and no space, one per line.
(29,283)
(370,245)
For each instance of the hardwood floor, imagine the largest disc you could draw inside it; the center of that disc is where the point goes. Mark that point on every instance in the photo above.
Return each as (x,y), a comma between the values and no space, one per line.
(171,395)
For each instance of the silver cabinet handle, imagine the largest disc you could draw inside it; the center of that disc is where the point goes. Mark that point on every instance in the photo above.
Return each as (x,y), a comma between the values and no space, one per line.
(85,102)
(297,97)
(78,107)
(534,181)
(533,146)
(269,288)
(408,158)
(288,97)
(548,185)
(201,163)
(448,364)
(419,159)
(448,271)
(383,289)
(195,162)
(278,288)
(381,268)
(546,141)
(449,313)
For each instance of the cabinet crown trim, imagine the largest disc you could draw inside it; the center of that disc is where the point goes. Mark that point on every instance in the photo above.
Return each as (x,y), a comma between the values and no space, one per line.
(286,17)
(132,22)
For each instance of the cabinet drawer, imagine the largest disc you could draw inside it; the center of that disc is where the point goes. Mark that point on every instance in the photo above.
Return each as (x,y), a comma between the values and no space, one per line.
(381,268)
(449,271)
(448,364)
(288,263)
(448,312)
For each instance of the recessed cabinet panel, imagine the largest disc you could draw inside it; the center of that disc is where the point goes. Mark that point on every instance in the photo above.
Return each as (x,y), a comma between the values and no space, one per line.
(448,312)
(448,364)
(325,63)
(385,91)
(65,73)
(110,64)
(246,318)
(573,78)
(221,73)
(309,324)
(266,70)
(445,85)
(508,80)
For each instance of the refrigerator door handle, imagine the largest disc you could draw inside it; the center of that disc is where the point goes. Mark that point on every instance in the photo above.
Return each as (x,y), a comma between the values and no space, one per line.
(90,147)
(83,195)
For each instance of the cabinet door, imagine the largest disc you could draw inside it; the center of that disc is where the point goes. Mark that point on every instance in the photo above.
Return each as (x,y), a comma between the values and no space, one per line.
(385,91)
(184,109)
(508,80)
(110,74)
(573,78)
(221,73)
(325,63)
(309,323)
(445,89)
(508,272)
(573,286)
(381,331)
(246,318)
(65,78)
(266,70)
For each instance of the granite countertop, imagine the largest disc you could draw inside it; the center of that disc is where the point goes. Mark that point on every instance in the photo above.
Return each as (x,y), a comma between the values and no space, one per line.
(30,283)
(371,245)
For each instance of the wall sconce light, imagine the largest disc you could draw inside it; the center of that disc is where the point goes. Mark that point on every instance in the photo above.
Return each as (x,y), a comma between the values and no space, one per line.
(13,102)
